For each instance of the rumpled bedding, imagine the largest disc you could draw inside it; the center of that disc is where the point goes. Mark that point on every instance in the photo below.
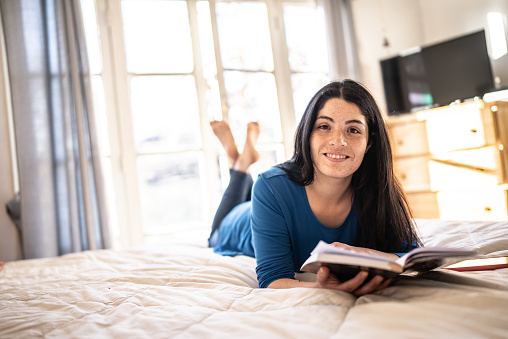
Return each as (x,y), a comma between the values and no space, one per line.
(187,291)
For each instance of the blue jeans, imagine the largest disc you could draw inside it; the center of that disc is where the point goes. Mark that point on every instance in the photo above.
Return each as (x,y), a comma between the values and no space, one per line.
(237,192)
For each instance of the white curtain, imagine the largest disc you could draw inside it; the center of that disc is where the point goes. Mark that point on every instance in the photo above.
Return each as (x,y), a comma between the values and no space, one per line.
(342,40)
(61,192)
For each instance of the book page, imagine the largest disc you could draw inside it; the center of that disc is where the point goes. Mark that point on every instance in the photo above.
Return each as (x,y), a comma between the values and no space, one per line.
(323,247)
(423,254)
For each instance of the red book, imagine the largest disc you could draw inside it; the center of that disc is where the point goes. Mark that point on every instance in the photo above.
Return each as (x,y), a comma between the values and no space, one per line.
(480,264)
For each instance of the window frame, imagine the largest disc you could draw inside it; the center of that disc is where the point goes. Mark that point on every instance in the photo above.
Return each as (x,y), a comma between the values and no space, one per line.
(116,81)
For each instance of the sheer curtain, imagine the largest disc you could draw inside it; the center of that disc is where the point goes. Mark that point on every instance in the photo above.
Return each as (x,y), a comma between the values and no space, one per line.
(61,192)
(344,55)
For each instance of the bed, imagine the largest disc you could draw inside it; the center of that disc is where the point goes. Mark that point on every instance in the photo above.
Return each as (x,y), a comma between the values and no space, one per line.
(187,291)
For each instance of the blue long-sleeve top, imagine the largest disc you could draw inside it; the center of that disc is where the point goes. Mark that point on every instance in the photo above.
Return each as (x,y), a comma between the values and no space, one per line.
(278,228)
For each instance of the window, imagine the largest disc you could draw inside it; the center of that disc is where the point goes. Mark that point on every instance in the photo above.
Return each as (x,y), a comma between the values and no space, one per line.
(163,69)
(306,41)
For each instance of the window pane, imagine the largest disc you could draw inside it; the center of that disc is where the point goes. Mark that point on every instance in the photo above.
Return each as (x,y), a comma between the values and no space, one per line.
(306,39)
(170,190)
(304,87)
(270,155)
(244,36)
(165,113)
(157,36)
(253,97)
(92,36)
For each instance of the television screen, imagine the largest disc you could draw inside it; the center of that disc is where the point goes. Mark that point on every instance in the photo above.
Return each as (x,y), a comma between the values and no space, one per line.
(437,75)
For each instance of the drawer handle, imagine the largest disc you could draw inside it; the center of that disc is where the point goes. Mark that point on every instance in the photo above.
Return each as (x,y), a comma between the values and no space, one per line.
(488,209)
(474,130)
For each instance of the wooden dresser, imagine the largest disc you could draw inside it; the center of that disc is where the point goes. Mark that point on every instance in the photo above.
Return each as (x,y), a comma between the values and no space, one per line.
(453,161)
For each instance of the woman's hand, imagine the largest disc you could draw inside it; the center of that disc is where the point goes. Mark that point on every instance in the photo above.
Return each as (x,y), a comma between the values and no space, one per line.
(353,286)
(324,279)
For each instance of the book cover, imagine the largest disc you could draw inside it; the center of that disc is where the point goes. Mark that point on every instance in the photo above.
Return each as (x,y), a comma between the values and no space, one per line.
(346,264)
(481,264)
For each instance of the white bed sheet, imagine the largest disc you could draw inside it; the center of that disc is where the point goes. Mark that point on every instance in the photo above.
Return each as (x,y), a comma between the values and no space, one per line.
(191,292)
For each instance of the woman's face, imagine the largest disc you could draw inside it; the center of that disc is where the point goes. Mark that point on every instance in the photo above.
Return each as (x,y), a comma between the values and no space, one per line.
(339,139)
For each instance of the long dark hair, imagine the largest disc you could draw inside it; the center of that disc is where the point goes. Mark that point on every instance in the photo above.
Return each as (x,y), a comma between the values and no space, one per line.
(385,222)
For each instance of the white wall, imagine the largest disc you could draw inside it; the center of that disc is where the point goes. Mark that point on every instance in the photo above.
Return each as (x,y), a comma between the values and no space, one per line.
(410,23)
(397,20)
(445,19)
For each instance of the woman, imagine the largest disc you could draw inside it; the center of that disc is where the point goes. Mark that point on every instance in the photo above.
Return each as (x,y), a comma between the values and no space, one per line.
(338,187)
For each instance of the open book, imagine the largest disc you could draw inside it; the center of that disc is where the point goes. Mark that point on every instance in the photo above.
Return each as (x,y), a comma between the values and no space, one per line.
(346,264)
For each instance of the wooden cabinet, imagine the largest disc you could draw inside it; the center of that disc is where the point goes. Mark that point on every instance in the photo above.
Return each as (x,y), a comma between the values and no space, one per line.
(453,161)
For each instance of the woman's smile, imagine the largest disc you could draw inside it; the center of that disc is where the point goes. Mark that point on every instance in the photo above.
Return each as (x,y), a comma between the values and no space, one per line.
(339,139)
(336,156)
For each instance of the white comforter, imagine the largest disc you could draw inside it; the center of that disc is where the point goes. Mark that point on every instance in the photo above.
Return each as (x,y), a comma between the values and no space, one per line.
(190,292)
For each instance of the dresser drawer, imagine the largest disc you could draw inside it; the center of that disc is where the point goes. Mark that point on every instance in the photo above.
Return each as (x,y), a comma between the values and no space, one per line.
(461,127)
(444,176)
(413,173)
(481,204)
(409,138)
(426,174)
(424,205)
(472,168)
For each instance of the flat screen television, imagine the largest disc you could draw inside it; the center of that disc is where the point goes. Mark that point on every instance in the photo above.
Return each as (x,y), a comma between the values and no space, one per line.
(437,75)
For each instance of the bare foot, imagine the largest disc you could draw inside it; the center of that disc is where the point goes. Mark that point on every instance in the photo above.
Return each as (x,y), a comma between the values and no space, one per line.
(249,155)
(223,132)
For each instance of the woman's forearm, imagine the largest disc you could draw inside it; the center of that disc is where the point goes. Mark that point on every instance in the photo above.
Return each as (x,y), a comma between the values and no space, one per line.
(326,280)
(292,283)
